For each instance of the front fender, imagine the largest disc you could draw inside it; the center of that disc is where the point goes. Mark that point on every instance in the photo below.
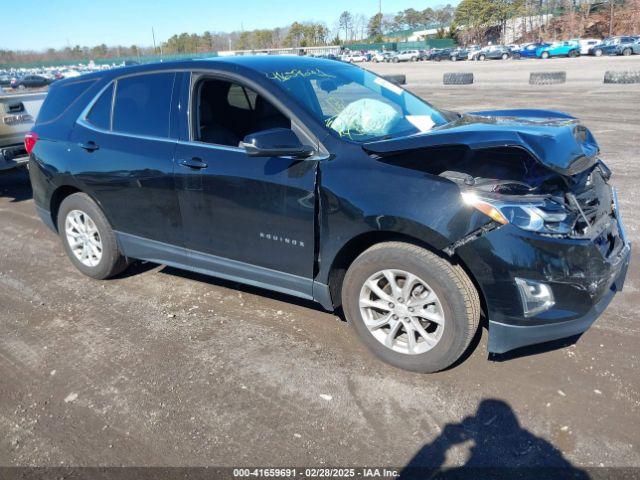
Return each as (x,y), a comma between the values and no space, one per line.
(388,199)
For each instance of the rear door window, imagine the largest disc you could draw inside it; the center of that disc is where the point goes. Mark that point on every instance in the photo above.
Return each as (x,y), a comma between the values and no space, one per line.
(143,104)
(100,114)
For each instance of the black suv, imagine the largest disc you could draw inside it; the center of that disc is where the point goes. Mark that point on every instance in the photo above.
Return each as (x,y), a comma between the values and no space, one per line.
(324,181)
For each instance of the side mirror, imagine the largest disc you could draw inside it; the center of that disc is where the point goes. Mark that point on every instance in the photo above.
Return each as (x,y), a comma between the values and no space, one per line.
(275,142)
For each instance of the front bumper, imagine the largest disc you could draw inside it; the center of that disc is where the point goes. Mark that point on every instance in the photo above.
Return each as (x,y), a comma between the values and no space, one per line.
(12,156)
(584,275)
(504,337)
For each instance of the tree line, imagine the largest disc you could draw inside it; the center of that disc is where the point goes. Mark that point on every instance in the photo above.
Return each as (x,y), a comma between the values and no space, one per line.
(472,21)
(544,20)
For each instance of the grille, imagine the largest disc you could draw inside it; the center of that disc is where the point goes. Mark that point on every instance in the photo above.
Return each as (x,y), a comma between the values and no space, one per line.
(595,199)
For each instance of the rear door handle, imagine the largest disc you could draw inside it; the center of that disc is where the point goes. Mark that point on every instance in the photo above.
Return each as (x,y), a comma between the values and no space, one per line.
(89,146)
(194,163)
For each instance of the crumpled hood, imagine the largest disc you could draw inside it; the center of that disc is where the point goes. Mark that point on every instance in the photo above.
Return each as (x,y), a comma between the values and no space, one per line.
(555,139)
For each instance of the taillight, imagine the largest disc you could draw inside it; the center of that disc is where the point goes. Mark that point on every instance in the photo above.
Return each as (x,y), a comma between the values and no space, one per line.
(30,140)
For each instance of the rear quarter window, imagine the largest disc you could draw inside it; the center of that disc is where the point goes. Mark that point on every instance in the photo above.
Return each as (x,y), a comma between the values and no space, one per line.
(60,98)
(143,104)
(100,114)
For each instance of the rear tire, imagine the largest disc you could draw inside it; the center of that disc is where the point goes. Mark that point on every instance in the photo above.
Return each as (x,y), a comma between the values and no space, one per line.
(482,58)
(88,239)
(626,52)
(452,299)
(545,55)
(597,52)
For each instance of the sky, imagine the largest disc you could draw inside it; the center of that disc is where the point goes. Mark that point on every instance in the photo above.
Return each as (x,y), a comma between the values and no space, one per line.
(40,24)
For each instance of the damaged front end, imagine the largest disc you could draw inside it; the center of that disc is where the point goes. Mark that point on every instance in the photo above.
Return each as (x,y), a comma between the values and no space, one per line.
(552,251)
(560,250)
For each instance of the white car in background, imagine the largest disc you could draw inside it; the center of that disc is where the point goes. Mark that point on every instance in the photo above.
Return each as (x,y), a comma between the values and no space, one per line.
(471,51)
(355,57)
(68,73)
(379,57)
(586,44)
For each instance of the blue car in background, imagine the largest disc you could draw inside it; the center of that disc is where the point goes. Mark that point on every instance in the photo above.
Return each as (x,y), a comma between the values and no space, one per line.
(529,50)
(559,49)
(617,46)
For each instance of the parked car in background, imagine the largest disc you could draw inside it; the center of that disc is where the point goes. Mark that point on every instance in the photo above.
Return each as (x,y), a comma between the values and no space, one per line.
(586,44)
(565,48)
(406,56)
(529,50)
(31,81)
(620,45)
(17,114)
(327,56)
(507,214)
(493,52)
(472,50)
(439,54)
(5,81)
(355,57)
(68,73)
(381,57)
(458,54)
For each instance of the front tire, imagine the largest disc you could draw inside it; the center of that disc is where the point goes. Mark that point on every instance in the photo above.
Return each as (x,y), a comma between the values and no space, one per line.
(88,239)
(410,307)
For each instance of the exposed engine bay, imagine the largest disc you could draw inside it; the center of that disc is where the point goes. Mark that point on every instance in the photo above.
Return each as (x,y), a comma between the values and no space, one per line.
(510,186)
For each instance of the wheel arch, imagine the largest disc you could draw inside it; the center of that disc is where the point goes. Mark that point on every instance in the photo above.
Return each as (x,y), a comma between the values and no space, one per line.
(63,191)
(57,197)
(361,242)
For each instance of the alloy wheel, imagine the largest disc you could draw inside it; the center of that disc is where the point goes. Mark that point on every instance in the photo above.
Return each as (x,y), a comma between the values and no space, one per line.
(83,238)
(402,311)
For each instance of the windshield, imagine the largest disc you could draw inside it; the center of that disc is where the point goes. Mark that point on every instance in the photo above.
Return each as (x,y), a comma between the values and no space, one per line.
(356,104)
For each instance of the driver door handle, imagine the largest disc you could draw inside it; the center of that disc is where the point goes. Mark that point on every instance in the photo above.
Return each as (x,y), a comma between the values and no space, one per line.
(194,163)
(90,146)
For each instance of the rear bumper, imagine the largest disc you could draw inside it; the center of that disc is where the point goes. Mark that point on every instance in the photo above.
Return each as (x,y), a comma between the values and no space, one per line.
(45,216)
(12,156)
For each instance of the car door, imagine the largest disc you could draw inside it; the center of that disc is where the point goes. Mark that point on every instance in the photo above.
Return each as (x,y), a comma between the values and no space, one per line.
(247,218)
(610,47)
(123,154)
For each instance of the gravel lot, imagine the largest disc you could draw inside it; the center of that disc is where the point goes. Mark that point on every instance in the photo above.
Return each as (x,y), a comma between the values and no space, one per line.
(162,367)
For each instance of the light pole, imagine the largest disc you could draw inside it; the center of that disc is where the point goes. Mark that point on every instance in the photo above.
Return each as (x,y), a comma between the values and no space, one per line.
(153,34)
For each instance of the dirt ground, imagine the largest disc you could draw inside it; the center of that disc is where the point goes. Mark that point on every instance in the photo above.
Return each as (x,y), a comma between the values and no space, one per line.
(161,367)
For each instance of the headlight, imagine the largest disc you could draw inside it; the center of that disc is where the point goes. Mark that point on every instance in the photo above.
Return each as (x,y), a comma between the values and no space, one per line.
(541,215)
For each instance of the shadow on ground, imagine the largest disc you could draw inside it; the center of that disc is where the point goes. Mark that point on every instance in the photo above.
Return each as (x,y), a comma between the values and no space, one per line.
(498,448)
(15,184)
